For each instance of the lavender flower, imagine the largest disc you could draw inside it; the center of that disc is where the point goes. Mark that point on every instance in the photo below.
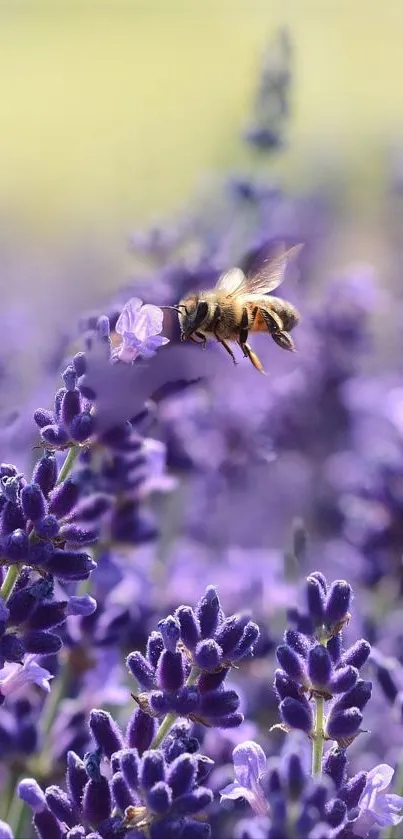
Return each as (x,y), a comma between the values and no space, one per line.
(376,807)
(188,660)
(139,326)
(158,792)
(314,666)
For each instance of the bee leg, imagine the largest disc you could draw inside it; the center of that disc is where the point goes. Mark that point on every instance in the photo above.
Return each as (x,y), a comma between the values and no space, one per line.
(203,339)
(253,358)
(226,347)
(244,331)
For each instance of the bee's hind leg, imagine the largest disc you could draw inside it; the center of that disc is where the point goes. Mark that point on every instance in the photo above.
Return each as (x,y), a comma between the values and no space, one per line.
(248,353)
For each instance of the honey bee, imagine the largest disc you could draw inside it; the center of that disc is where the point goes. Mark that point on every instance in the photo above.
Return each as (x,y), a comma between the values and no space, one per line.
(237,305)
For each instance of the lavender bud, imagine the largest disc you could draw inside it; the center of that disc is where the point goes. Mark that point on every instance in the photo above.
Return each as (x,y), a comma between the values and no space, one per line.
(76,778)
(291,663)
(155,646)
(61,806)
(120,792)
(159,798)
(192,802)
(189,626)
(82,604)
(11,648)
(141,670)
(48,527)
(247,643)
(48,614)
(230,632)
(11,518)
(30,792)
(209,613)
(77,535)
(229,721)
(170,631)
(336,812)
(218,703)
(43,418)
(315,600)
(105,732)
(58,401)
(97,804)
(298,642)
(357,697)
(140,731)
(70,407)
(42,643)
(334,648)
(69,377)
(55,436)
(334,765)
(211,681)
(352,790)
(45,473)
(64,498)
(295,776)
(48,826)
(387,683)
(182,774)
(70,565)
(130,766)
(170,673)
(16,546)
(92,507)
(297,713)
(343,723)
(82,427)
(358,654)
(344,680)
(152,769)
(80,363)
(285,686)
(337,602)
(319,666)
(208,655)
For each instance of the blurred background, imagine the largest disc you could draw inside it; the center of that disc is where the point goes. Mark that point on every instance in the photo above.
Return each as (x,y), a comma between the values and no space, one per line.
(115,113)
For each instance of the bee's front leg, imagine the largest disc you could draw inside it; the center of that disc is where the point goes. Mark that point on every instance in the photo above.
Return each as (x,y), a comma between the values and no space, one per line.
(203,339)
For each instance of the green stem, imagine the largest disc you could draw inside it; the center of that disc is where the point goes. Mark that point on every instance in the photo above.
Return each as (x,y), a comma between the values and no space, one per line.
(9,582)
(318,740)
(169,720)
(68,464)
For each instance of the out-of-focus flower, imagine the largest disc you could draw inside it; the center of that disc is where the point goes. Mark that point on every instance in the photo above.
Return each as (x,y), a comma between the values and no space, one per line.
(139,326)
(249,768)
(375,805)
(15,676)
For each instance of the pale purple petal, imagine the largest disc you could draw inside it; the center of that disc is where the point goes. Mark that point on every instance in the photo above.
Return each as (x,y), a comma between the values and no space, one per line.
(148,321)
(249,763)
(15,676)
(127,317)
(376,806)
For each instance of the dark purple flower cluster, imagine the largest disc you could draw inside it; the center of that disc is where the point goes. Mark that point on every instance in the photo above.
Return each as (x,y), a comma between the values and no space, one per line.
(125,788)
(316,668)
(188,660)
(71,422)
(43,524)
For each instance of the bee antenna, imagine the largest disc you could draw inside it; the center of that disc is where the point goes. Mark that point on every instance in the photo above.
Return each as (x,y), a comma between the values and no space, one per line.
(175,308)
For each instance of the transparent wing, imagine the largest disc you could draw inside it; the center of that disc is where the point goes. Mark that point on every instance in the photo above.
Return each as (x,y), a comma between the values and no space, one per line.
(232,282)
(272,273)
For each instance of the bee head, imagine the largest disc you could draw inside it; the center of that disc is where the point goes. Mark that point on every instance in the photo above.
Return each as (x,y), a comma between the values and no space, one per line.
(191,313)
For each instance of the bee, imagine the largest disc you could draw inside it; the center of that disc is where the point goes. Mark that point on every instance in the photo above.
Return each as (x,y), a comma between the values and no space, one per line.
(237,305)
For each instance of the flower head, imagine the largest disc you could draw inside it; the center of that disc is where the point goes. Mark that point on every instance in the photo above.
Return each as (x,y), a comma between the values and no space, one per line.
(139,327)
(14,676)
(376,807)
(249,767)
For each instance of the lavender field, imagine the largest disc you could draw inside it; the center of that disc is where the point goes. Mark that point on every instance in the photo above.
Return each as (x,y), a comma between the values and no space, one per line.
(201,625)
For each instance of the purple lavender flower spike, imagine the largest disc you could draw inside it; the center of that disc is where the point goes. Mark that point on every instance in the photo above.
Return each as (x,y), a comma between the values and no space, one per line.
(139,326)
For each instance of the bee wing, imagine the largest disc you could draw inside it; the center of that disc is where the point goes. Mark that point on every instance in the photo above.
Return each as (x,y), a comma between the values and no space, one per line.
(271,275)
(232,282)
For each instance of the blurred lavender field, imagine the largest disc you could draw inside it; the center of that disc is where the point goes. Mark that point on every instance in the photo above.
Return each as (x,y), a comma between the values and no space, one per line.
(201,567)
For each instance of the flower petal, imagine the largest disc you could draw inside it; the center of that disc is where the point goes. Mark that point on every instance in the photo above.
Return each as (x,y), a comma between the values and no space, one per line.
(249,763)
(128,315)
